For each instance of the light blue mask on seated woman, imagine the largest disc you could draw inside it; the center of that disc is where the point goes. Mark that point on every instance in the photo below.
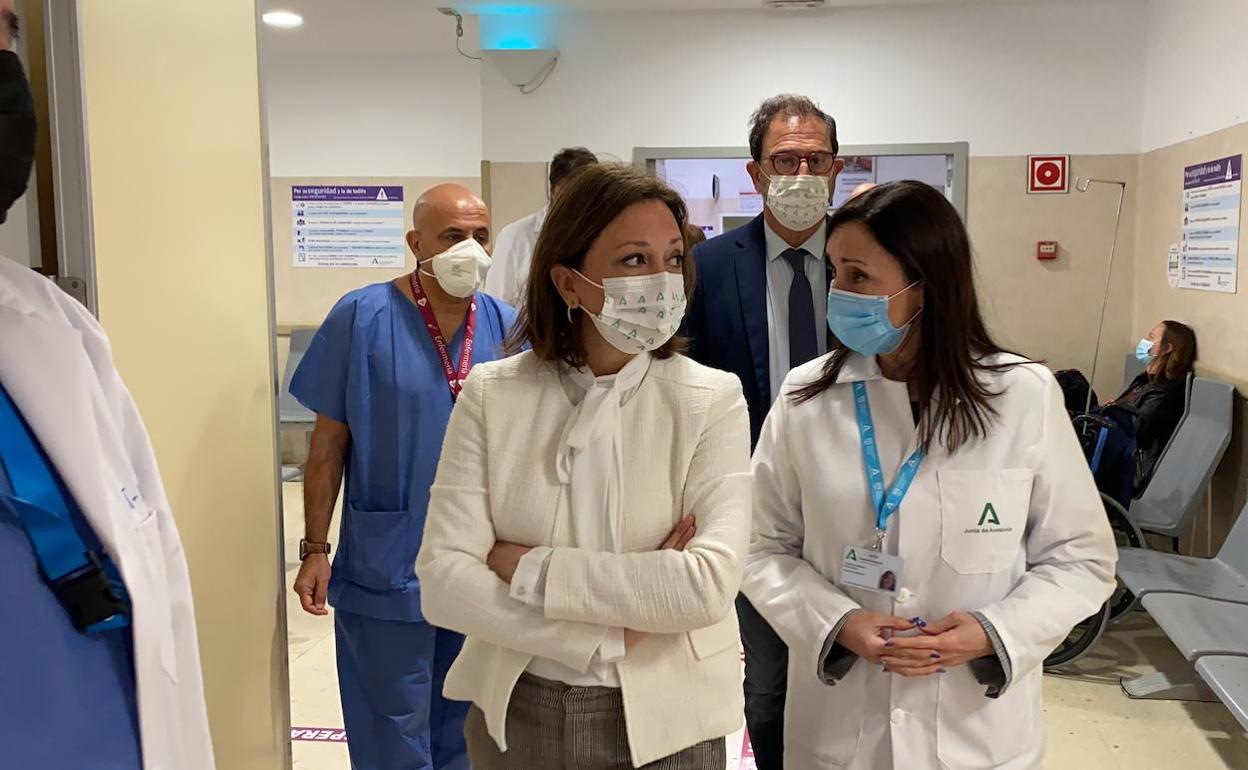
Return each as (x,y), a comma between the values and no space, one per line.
(861,322)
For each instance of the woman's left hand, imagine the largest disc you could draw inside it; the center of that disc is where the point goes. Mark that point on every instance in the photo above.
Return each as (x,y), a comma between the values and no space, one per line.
(954,640)
(504,558)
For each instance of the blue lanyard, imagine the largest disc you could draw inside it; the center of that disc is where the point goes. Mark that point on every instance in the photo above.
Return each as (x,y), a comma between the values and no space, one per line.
(43,509)
(884,503)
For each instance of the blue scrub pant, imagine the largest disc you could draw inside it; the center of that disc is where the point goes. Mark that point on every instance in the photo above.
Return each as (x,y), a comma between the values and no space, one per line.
(390,676)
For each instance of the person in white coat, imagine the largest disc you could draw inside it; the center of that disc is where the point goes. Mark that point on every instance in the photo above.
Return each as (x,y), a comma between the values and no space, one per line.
(588,523)
(926,529)
(513,248)
(101,664)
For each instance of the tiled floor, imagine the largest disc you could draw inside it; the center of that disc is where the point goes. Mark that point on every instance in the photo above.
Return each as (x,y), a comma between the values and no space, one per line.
(1091,724)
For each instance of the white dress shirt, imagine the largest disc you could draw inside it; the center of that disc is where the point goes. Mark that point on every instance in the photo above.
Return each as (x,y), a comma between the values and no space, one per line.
(589,463)
(779,278)
(512,254)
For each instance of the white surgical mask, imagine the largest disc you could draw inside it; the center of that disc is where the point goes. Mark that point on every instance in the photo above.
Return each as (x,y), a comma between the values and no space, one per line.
(640,312)
(798,202)
(461,268)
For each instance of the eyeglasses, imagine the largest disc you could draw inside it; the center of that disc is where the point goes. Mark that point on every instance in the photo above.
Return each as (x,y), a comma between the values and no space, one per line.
(788,163)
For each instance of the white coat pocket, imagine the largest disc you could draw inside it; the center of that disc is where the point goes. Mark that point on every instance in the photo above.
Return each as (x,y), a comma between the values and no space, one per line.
(983,516)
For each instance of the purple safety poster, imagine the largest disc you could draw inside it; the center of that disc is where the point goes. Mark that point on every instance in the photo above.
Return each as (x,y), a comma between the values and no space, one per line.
(1209,252)
(348,226)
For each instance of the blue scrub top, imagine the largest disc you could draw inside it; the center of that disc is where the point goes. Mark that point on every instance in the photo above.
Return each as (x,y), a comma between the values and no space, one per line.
(373,366)
(67,699)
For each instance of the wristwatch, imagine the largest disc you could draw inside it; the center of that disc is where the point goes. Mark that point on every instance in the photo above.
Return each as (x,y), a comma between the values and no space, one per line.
(306,548)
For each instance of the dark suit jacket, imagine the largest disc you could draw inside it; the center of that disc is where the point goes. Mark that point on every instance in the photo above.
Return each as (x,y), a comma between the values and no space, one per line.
(727,319)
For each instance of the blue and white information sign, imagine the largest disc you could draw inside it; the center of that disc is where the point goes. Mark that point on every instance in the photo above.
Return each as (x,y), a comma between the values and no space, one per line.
(1209,254)
(343,226)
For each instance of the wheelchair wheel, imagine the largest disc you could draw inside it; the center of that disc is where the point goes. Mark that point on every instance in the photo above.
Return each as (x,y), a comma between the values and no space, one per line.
(1126,535)
(1080,639)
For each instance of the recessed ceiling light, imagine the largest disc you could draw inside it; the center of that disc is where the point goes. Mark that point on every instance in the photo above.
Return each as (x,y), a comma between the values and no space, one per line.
(282,19)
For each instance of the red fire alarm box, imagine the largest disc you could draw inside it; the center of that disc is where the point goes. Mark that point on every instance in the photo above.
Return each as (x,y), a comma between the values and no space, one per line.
(1046,250)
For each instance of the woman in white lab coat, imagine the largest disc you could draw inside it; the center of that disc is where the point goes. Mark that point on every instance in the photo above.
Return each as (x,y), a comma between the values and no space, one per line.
(981,507)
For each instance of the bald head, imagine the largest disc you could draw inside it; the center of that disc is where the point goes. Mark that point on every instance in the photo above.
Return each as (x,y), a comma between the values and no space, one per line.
(860,189)
(445,215)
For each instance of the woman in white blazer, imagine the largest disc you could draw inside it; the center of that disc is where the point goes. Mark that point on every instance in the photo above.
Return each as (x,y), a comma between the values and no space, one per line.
(589,520)
(926,529)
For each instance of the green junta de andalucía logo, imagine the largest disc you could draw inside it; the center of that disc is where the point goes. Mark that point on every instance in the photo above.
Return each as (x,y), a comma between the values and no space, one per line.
(989,515)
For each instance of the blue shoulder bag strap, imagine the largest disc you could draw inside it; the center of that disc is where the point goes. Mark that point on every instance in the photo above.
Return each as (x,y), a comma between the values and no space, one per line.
(85,582)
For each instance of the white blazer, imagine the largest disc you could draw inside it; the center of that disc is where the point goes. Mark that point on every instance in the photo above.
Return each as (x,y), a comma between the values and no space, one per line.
(1048,564)
(56,364)
(686,441)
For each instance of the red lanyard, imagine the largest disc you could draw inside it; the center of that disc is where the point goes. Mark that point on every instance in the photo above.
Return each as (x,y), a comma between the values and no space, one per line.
(453,378)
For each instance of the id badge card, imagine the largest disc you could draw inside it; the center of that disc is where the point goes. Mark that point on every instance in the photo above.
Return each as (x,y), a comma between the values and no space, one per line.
(866,568)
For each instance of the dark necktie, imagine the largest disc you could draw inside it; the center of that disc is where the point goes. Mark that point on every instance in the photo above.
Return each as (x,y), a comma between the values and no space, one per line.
(803,345)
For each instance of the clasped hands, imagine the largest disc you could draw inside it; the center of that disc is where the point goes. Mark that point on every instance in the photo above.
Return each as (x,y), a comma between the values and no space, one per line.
(954,640)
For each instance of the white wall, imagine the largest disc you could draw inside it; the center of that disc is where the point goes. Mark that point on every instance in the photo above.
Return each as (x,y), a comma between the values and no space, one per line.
(380,91)
(1010,79)
(389,113)
(1196,69)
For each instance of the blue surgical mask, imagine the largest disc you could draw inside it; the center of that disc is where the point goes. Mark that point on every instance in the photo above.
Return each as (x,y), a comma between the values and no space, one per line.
(860,321)
(1143,351)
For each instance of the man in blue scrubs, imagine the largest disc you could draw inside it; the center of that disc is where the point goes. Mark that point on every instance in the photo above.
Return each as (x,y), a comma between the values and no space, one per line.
(381,375)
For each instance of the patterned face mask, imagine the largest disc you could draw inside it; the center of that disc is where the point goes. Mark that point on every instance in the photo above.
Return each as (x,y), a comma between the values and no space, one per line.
(640,312)
(798,202)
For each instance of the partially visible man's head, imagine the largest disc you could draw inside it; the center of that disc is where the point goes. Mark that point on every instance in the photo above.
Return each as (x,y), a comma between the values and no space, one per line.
(566,164)
(17,124)
(445,215)
(862,188)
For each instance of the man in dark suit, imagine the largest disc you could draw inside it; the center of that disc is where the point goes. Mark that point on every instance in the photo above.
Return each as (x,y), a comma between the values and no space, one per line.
(760,309)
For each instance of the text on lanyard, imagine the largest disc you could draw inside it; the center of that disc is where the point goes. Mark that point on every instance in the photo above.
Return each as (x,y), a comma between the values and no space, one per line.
(885,503)
(454,378)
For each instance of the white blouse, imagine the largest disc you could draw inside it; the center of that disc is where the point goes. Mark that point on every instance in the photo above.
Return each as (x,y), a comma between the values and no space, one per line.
(590,463)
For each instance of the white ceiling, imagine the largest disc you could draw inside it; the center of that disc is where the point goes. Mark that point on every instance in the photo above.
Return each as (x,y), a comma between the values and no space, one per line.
(486,6)
(393,26)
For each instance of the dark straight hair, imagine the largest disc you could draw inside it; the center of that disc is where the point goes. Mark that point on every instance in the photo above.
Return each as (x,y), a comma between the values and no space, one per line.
(593,199)
(918,226)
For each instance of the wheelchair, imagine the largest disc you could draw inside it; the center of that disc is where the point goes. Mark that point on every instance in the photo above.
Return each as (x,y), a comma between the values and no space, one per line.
(1094,432)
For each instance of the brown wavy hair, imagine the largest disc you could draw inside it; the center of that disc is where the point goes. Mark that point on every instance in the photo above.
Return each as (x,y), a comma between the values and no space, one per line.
(592,200)
(918,226)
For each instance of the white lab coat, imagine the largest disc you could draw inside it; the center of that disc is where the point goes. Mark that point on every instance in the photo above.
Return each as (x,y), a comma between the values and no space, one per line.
(56,365)
(511,258)
(1046,566)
